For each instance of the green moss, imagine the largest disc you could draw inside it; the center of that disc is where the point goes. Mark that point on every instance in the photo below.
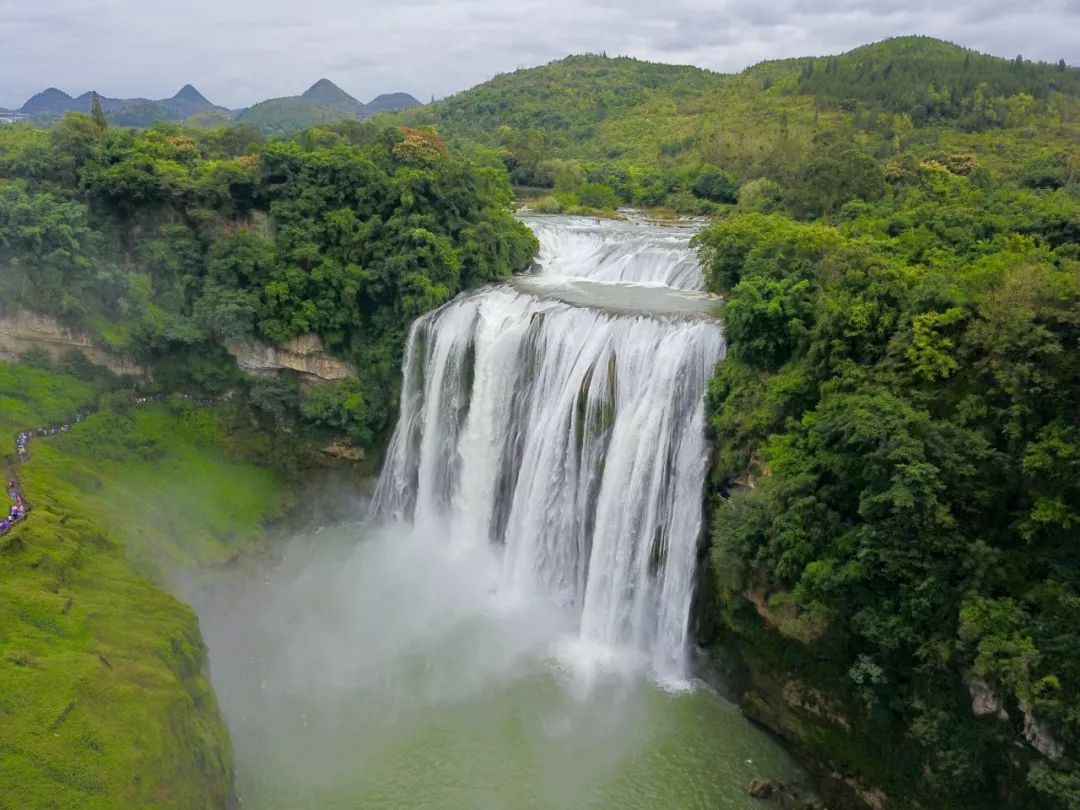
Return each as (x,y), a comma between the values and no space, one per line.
(104,699)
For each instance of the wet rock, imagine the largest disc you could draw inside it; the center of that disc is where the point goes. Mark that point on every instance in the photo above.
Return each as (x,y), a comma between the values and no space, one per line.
(343,451)
(984,700)
(785,797)
(762,788)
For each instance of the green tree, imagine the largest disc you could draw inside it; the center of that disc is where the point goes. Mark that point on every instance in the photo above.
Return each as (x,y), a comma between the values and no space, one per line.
(97,112)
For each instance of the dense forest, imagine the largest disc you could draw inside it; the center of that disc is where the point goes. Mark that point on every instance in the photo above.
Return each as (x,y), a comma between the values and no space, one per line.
(896,518)
(166,244)
(898,430)
(600,132)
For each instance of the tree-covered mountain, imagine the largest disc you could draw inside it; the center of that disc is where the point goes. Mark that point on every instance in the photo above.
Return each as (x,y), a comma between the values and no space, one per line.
(648,132)
(326,92)
(322,103)
(49,101)
(188,101)
(389,102)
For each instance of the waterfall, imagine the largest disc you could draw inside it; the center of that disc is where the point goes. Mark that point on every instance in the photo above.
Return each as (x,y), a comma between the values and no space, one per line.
(609,251)
(571,437)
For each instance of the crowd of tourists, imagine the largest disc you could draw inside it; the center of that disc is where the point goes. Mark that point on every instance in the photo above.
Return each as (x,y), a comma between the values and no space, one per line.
(19,505)
(20,508)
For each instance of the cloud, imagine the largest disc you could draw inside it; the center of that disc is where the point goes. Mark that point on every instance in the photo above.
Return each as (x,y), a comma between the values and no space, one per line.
(241,51)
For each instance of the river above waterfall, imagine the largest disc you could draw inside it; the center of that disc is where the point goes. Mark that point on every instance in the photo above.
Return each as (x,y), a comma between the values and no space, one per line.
(628,299)
(510,627)
(637,251)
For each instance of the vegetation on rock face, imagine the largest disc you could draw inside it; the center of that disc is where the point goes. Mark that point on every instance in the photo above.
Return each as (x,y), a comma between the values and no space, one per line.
(901,409)
(103,691)
(167,244)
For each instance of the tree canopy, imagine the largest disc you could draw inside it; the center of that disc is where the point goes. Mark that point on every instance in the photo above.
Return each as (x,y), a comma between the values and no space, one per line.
(898,436)
(167,243)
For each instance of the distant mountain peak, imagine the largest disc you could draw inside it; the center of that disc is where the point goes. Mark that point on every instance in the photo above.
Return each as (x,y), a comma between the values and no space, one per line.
(388,102)
(49,100)
(189,93)
(325,91)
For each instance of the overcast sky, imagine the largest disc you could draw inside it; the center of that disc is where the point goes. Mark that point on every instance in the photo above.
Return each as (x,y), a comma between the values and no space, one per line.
(241,51)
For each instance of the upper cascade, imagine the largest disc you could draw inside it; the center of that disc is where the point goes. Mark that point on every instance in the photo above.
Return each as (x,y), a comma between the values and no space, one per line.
(615,251)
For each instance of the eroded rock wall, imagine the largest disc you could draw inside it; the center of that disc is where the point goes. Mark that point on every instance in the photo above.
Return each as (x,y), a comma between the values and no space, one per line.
(21,330)
(305,355)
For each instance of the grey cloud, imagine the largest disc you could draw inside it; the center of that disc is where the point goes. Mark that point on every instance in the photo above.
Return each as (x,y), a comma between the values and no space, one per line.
(241,51)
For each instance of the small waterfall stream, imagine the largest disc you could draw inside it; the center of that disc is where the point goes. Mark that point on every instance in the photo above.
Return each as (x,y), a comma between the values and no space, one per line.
(571,436)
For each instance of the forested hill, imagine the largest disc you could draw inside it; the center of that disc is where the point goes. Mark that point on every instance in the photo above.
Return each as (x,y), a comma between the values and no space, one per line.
(649,131)
(168,244)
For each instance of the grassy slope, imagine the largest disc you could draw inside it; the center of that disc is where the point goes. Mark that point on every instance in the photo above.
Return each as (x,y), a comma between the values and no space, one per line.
(178,503)
(103,696)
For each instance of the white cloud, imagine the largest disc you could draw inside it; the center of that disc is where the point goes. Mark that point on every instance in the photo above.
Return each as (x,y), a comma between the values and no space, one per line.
(241,51)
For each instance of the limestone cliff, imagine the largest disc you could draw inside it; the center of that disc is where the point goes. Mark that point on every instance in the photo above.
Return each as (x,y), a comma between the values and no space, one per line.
(304,354)
(21,330)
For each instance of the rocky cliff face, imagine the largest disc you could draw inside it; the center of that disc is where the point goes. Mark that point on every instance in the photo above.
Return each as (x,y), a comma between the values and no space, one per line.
(304,354)
(21,330)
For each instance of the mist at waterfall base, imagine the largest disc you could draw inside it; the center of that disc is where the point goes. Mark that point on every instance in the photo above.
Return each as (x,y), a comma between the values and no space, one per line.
(512,631)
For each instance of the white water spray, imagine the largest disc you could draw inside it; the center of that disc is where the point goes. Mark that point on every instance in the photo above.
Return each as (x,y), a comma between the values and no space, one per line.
(613,251)
(573,438)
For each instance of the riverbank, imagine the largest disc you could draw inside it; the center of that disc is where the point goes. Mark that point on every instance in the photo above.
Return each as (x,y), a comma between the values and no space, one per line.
(106,702)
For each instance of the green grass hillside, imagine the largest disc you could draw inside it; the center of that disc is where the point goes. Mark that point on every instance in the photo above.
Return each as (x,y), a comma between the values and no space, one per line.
(104,700)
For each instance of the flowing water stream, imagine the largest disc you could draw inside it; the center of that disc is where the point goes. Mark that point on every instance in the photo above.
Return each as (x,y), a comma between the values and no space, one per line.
(510,629)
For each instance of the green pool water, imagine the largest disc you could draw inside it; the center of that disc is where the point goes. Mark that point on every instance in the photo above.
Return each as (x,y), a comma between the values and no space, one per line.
(390,671)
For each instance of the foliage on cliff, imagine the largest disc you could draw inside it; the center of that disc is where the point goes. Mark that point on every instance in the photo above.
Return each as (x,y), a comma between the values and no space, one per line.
(653,134)
(901,409)
(104,698)
(166,244)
